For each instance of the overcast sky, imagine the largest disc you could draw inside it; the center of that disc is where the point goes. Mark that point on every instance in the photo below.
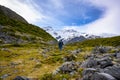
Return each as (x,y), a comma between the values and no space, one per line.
(91,16)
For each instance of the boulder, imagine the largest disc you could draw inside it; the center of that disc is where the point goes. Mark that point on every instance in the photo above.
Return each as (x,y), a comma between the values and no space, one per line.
(100,49)
(93,74)
(90,63)
(105,62)
(118,55)
(68,67)
(101,76)
(87,73)
(114,71)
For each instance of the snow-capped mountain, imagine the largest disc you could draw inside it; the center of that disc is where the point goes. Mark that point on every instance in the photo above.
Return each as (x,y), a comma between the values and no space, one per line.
(69,35)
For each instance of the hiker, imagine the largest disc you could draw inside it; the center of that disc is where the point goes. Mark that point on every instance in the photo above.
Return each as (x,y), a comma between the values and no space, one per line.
(60,44)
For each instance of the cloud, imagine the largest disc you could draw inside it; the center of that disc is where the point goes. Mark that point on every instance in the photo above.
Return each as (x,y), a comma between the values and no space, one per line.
(57,3)
(35,13)
(64,14)
(25,8)
(108,23)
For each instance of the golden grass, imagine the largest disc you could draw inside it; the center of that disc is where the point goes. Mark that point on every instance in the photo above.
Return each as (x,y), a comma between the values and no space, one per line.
(29,61)
(25,60)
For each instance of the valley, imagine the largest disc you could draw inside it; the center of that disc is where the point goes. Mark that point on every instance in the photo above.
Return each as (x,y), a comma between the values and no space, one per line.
(29,52)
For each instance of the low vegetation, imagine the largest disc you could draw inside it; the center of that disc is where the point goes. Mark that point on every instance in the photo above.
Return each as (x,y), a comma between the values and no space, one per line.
(112,41)
(34,61)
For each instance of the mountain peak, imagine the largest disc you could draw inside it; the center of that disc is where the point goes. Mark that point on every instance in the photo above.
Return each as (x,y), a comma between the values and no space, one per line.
(69,35)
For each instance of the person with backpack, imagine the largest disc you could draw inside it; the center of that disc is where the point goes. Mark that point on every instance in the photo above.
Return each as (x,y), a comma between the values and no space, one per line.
(60,44)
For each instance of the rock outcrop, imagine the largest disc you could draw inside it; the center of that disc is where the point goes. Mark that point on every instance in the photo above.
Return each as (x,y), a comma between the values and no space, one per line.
(99,65)
(102,66)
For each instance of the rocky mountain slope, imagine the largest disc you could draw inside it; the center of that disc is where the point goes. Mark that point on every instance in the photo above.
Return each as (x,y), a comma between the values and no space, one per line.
(15,29)
(11,14)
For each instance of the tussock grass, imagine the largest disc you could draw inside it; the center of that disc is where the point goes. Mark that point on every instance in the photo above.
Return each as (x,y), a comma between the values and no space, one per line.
(28,60)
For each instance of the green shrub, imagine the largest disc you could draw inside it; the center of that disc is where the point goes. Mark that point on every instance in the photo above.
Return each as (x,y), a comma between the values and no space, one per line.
(47,77)
(16,45)
(53,59)
(80,71)
(112,41)
(55,77)
(38,65)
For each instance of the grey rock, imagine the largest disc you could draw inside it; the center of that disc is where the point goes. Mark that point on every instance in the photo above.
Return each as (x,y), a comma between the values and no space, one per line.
(90,63)
(64,79)
(118,55)
(101,65)
(97,62)
(6,38)
(114,71)
(5,49)
(68,67)
(94,74)
(102,76)
(21,78)
(72,73)
(5,76)
(100,49)
(105,62)
(88,73)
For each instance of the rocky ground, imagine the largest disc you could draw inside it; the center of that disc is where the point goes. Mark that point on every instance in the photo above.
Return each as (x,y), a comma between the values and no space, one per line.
(102,63)
(103,66)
